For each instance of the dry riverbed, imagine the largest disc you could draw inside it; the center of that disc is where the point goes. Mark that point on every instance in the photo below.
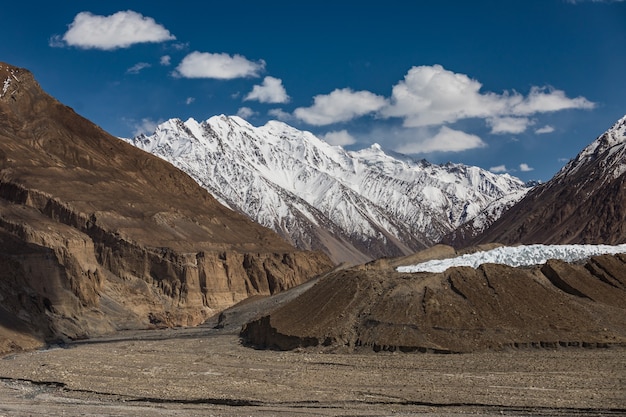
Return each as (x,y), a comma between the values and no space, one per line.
(206,372)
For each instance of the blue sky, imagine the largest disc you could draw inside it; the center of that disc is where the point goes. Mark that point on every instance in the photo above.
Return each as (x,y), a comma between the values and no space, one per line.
(512,86)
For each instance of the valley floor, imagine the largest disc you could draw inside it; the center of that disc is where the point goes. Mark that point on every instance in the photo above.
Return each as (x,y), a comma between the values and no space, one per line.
(206,372)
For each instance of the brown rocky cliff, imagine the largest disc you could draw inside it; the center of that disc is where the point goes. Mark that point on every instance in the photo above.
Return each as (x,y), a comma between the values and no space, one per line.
(97,235)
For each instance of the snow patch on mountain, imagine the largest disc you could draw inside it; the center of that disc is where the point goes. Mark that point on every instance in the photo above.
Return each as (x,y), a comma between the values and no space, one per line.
(525,255)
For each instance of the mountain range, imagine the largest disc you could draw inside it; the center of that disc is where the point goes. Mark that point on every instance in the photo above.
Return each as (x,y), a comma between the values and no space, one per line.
(97,235)
(354,206)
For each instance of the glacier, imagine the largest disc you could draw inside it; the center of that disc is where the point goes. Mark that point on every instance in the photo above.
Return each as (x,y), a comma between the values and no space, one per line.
(523,255)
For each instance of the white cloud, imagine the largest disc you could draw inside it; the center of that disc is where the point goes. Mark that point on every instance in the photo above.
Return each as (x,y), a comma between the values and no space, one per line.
(245,112)
(545,129)
(280,114)
(546,99)
(447,140)
(500,125)
(432,95)
(145,126)
(120,30)
(190,100)
(220,66)
(340,137)
(271,91)
(498,169)
(135,69)
(525,168)
(166,60)
(341,105)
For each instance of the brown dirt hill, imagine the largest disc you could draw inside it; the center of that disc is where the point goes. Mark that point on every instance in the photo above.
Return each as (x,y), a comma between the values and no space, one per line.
(96,235)
(460,310)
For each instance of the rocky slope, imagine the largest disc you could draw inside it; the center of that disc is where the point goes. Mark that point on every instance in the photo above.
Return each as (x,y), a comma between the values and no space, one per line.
(585,202)
(97,235)
(460,310)
(355,206)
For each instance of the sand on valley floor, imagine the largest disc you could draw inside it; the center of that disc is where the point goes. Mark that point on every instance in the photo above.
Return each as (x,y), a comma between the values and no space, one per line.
(207,372)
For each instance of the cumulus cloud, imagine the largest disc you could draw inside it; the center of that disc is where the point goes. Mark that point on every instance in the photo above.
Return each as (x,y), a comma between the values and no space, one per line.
(166,60)
(119,30)
(525,168)
(245,112)
(432,95)
(144,126)
(341,105)
(280,114)
(499,169)
(220,66)
(270,91)
(340,137)
(135,69)
(446,140)
(501,125)
(544,130)
(547,99)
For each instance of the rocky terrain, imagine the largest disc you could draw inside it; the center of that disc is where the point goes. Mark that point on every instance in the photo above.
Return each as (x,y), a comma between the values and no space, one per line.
(97,235)
(463,309)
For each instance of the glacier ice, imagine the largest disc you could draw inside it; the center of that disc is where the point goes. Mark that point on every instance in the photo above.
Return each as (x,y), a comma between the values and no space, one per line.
(524,255)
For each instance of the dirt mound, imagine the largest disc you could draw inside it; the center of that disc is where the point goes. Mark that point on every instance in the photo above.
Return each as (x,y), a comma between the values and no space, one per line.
(97,235)
(460,310)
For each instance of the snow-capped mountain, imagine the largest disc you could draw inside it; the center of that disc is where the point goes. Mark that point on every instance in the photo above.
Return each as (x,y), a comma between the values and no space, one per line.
(355,206)
(585,202)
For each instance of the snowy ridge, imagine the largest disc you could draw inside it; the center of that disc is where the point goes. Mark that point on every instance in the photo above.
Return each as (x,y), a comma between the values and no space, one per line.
(517,256)
(309,191)
(611,145)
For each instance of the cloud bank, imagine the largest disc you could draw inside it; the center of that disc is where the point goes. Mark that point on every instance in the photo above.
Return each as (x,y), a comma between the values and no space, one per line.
(119,30)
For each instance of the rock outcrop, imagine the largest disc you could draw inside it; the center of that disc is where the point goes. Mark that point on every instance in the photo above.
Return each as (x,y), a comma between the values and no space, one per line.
(460,310)
(97,235)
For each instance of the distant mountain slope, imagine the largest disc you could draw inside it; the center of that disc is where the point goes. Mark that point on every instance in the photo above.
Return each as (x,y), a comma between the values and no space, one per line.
(355,206)
(585,202)
(96,235)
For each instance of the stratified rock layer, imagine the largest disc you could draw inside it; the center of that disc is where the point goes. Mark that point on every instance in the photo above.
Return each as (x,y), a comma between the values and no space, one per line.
(461,310)
(96,235)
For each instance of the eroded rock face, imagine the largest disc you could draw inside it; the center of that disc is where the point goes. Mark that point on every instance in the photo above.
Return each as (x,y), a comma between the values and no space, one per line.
(96,235)
(461,310)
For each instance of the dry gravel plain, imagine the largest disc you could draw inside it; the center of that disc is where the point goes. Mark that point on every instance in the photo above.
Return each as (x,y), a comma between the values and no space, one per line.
(207,372)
